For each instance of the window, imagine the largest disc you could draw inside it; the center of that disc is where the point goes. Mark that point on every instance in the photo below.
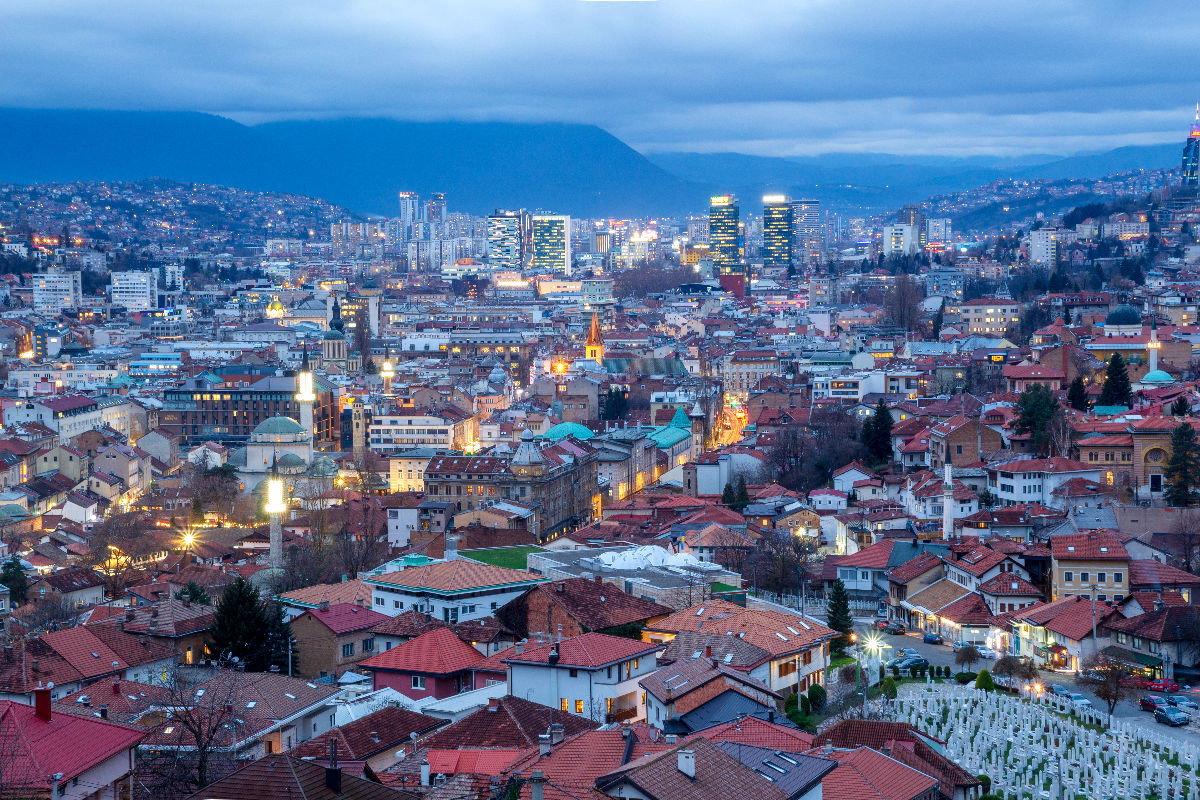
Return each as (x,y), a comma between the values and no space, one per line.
(369,645)
(378,601)
(348,650)
(397,604)
(563,704)
(1101,577)
(418,681)
(578,706)
(1083,577)
(1068,576)
(1118,577)
(574,673)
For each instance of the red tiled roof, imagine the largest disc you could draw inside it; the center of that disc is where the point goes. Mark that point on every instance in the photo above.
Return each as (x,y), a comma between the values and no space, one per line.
(914,568)
(875,556)
(346,617)
(864,773)
(1088,547)
(1146,573)
(588,650)
(969,609)
(759,733)
(36,749)
(512,722)
(383,730)
(458,575)
(1009,583)
(438,652)
(1069,616)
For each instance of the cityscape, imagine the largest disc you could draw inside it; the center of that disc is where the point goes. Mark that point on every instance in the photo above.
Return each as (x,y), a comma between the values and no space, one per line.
(491,433)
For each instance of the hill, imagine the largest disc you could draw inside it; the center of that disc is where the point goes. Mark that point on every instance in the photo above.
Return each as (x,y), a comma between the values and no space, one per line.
(357,163)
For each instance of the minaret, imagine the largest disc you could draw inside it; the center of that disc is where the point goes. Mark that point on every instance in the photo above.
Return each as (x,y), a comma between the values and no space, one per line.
(275,508)
(595,341)
(305,397)
(387,371)
(1153,344)
(947,504)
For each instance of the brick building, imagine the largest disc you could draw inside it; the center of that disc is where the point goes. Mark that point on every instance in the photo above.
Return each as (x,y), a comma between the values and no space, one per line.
(334,638)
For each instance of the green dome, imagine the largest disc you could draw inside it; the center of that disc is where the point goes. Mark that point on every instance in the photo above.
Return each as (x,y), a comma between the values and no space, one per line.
(278,426)
(13,510)
(1124,315)
(564,429)
(332,335)
(290,463)
(323,467)
(1157,376)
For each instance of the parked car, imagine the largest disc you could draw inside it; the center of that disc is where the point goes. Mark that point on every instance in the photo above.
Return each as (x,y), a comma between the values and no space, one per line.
(913,663)
(961,645)
(1060,691)
(881,624)
(933,638)
(895,662)
(1163,685)
(1079,701)
(1136,681)
(897,628)
(985,652)
(910,652)
(1183,701)
(1151,702)
(1169,715)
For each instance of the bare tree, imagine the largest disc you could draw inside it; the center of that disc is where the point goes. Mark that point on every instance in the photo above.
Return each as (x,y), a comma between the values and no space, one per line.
(1105,677)
(1185,534)
(967,656)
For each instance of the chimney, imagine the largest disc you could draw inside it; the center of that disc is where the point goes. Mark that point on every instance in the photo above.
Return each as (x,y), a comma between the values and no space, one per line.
(103,711)
(116,687)
(333,773)
(556,733)
(708,651)
(494,704)
(451,548)
(553,659)
(129,615)
(324,606)
(41,702)
(671,738)
(519,647)
(8,652)
(771,715)
(544,744)
(358,601)
(424,772)
(687,762)
(536,789)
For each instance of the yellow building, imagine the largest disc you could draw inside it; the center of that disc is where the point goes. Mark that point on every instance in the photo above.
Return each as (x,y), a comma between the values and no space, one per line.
(1083,563)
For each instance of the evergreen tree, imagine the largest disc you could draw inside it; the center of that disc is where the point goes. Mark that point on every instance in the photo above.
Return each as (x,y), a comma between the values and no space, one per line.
(197,509)
(193,593)
(1180,407)
(839,615)
(877,434)
(1066,315)
(12,575)
(1182,472)
(939,320)
(238,627)
(1077,395)
(728,498)
(742,498)
(279,639)
(1117,390)
(616,406)
(1036,411)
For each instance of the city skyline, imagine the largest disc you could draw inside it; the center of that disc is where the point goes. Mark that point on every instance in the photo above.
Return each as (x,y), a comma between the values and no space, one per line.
(936,79)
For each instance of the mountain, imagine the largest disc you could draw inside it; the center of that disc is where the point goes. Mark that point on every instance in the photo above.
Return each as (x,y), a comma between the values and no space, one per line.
(357,163)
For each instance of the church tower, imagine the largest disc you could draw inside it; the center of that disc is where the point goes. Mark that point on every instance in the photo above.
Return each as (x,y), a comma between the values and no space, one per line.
(333,346)
(595,341)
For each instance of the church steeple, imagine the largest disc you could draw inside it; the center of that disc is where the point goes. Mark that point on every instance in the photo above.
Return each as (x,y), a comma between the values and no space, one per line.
(335,322)
(594,348)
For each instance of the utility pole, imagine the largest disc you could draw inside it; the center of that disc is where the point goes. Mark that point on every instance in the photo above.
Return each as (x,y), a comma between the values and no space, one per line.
(1095,643)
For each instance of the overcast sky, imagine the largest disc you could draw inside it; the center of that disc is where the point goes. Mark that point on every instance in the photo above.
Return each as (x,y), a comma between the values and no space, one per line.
(786,77)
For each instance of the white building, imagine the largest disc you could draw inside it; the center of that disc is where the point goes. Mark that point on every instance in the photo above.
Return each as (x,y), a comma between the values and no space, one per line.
(454,590)
(900,240)
(1035,480)
(593,675)
(1043,246)
(57,291)
(135,290)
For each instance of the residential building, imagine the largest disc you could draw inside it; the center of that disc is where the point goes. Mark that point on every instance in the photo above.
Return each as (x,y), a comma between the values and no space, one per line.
(1088,564)
(135,290)
(576,606)
(334,638)
(990,316)
(454,590)
(54,292)
(435,664)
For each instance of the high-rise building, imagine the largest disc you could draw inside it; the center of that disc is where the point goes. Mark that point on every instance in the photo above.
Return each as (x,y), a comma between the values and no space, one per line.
(913,216)
(135,290)
(410,210)
(552,242)
(937,230)
(806,229)
(505,246)
(56,291)
(1043,246)
(899,240)
(777,231)
(436,208)
(725,235)
(1191,155)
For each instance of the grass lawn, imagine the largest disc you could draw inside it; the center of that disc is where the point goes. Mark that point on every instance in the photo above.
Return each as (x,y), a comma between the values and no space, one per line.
(511,557)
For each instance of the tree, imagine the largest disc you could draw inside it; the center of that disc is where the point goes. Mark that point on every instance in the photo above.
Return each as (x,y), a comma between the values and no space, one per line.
(817,696)
(839,615)
(888,687)
(1077,395)
(742,498)
(904,304)
(1037,412)
(967,656)
(1117,390)
(193,593)
(728,496)
(1105,677)
(1006,666)
(279,639)
(194,742)
(877,434)
(239,625)
(984,681)
(12,575)
(1180,408)
(1182,472)
(616,404)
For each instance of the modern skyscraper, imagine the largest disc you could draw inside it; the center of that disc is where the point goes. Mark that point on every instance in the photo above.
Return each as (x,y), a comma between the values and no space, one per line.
(806,228)
(724,235)
(504,240)
(914,216)
(552,242)
(777,231)
(1191,155)
(135,290)
(410,210)
(436,208)
(900,240)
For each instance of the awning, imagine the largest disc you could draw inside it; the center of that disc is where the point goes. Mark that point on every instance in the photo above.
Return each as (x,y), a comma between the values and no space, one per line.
(1131,658)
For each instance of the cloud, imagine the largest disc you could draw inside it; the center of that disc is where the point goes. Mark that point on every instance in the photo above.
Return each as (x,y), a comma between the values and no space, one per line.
(771,77)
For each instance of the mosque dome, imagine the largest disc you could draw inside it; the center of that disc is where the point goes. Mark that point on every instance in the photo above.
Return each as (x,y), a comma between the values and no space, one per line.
(277,426)
(1124,315)
(1157,376)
